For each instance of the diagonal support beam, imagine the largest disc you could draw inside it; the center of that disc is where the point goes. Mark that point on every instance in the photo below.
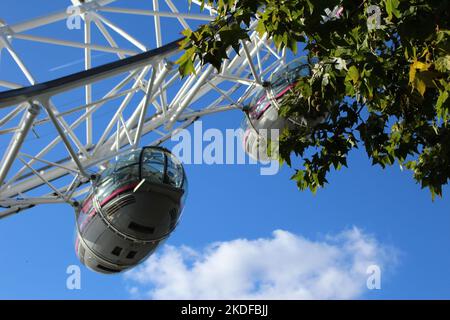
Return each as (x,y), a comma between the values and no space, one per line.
(190,96)
(17,142)
(121,32)
(64,138)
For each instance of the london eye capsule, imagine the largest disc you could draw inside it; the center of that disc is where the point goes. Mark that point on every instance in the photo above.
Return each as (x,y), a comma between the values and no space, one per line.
(134,205)
(263,123)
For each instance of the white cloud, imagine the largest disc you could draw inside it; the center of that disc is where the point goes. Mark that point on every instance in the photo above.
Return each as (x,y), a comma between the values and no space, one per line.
(285,266)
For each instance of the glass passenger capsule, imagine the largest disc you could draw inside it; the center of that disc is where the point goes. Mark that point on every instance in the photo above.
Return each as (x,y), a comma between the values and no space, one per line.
(263,123)
(134,205)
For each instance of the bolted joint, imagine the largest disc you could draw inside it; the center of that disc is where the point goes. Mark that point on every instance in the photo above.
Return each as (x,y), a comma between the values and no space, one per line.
(266,84)
(167,64)
(94,177)
(34,109)
(5,31)
(246,108)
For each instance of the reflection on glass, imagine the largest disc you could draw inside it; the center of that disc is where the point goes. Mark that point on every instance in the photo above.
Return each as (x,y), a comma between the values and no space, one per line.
(86,213)
(291,73)
(174,172)
(126,174)
(127,159)
(281,82)
(153,165)
(186,191)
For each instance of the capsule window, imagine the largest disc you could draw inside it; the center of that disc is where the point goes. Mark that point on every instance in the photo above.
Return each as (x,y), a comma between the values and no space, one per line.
(99,266)
(153,165)
(117,251)
(131,254)
(140,228)
(82,252)
(175,172)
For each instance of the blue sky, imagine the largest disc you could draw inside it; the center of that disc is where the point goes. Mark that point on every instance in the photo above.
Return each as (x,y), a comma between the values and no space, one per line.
(229,202)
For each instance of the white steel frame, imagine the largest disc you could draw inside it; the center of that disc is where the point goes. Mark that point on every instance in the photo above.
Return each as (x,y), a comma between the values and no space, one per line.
(149,72)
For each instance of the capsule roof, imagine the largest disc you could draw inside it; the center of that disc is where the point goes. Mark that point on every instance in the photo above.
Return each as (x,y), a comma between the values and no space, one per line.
(154,164)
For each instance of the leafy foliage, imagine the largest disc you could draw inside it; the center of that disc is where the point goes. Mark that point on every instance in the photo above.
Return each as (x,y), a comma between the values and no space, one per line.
(385,87)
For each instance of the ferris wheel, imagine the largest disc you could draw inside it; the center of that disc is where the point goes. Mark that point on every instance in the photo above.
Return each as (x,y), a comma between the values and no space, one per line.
(116,85)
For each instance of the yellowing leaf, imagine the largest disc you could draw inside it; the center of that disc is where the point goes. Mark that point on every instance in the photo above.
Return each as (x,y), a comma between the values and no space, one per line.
(353,73)
(417,66)
(412,74)
(420,86)
(420,65)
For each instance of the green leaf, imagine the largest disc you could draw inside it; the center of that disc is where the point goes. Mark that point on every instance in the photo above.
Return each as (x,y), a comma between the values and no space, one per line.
(442,98)
(443,64)
(395,92)
(353,73)
(392,8)
(186,63)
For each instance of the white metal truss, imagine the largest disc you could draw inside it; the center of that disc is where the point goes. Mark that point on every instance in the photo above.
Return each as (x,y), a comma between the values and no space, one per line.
(145,97)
